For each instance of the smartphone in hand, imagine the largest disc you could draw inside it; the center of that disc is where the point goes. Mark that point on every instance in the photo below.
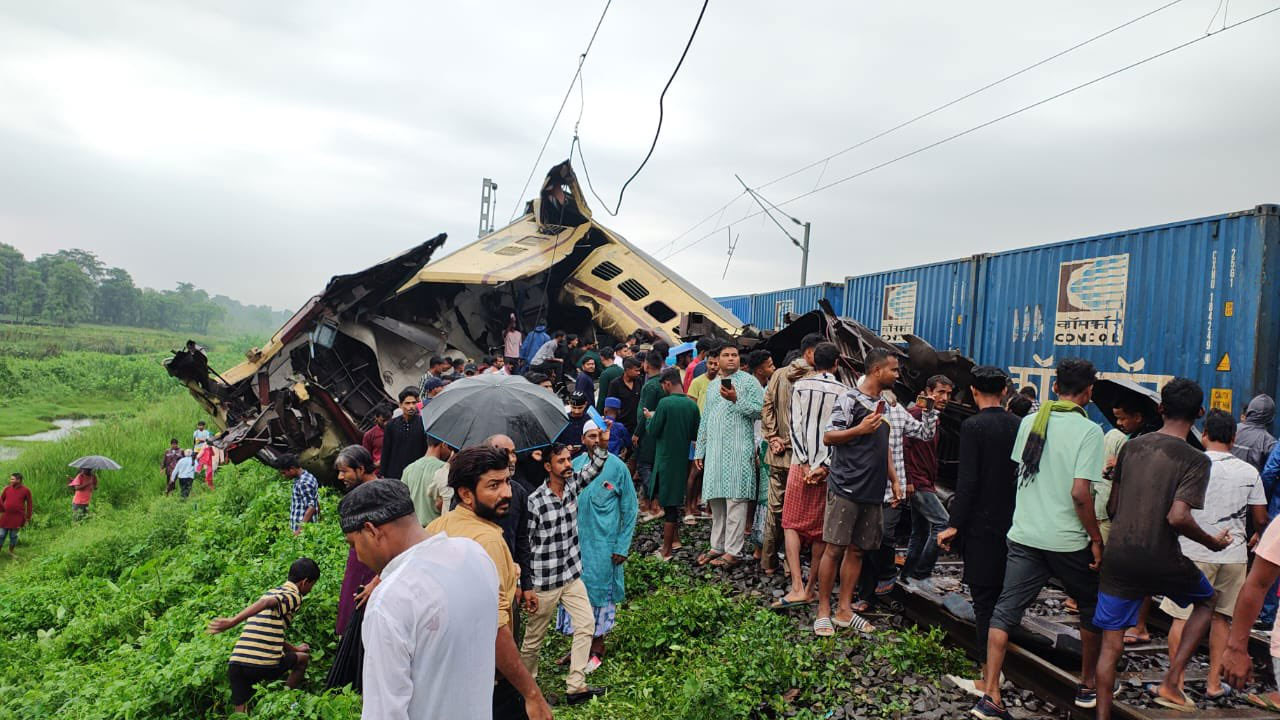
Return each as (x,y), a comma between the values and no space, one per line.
(726,383)
(881,407)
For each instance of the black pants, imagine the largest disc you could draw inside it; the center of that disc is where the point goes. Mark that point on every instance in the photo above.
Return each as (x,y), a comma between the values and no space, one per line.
(984,602)
(508,703)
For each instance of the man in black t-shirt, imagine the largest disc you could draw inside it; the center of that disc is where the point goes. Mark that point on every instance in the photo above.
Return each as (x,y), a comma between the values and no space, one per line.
(1158,479)
(627,389)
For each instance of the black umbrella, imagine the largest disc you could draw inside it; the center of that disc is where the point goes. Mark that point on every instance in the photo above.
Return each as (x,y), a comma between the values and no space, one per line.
(94,462)
(469,411)
(1108,393)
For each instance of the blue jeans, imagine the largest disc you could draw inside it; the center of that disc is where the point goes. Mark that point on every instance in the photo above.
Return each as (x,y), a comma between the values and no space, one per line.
(928,518)
(12,535)
(1269,605)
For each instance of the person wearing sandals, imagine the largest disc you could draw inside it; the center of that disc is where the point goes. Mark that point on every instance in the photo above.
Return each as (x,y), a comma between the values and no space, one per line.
(726,453)
(1159,479)
(1237,663)
(804,500)
(1054,531)
(860,470)
(674,428)
(607,510)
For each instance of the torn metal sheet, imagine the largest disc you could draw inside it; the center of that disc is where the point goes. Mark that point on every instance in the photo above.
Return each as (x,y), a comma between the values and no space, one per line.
(313,387)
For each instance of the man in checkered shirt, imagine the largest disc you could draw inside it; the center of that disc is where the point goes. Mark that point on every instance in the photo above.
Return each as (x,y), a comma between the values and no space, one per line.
(556,565)
(304,501)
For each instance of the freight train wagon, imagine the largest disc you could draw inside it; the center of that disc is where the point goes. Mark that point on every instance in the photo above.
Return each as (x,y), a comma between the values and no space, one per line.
(1193,298)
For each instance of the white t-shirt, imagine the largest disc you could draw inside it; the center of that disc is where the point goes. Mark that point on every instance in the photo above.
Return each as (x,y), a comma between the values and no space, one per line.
(1233,486)
(429,634)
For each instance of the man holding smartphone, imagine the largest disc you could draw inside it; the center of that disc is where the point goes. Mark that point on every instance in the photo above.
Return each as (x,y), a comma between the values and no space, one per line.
(726,452)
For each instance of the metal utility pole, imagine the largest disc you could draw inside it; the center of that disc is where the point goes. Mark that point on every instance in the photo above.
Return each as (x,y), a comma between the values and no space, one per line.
(488,199)
(804,246)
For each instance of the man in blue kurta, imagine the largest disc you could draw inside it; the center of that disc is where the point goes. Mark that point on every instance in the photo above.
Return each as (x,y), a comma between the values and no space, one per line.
(607,510)
(726,452)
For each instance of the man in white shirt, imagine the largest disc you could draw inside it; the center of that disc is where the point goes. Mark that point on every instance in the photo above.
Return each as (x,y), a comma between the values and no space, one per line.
(1234,491)
(437,595)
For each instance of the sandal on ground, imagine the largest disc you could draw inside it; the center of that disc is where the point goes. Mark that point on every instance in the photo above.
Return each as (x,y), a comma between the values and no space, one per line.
(1225,690)
(726,561)
(785,604)
(857,622)
(707,557)
(884,587)
(861,606)
(1135,639)
(1263,701)
(657,554)
(822,627)
(1186,706)
(690,520)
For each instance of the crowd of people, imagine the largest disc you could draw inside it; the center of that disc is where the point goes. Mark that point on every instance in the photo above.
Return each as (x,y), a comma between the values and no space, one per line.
(789,464)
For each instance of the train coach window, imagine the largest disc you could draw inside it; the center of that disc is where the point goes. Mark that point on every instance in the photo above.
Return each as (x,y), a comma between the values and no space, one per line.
(660,311)
(606,270)
(633,289)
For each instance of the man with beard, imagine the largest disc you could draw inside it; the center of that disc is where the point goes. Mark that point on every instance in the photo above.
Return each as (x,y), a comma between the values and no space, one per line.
(480,477)
(571,435)
(556,565)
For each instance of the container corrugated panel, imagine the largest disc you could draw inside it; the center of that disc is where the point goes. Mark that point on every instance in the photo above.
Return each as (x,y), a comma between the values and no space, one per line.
(739,305)
(769,308)
(934,302)
(1194,299)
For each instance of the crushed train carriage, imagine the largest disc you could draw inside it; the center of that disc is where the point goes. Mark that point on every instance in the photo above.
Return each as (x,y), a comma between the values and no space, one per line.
(314,386)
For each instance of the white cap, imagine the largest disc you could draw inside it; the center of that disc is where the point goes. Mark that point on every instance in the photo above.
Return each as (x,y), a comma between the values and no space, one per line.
(588,426)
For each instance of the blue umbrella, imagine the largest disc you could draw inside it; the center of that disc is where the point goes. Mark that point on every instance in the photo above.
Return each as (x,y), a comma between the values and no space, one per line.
(677,350)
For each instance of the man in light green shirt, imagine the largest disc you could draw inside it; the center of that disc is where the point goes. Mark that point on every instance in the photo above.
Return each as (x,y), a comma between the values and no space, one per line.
(1055,532)
(419,474)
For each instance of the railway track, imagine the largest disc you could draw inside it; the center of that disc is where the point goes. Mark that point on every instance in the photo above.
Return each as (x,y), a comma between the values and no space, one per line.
(1030,662)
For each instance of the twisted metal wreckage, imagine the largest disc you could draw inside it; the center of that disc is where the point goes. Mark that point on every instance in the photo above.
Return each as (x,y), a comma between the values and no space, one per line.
(313,387)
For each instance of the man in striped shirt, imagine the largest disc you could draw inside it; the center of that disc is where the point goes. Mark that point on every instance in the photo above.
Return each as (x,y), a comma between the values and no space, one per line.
(261,654)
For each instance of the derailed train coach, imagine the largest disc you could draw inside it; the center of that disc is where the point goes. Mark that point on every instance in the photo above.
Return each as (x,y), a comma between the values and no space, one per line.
(314,386)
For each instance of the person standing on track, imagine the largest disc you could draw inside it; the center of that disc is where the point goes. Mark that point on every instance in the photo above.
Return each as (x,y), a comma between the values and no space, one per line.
(982,507)
(1054,531)
(775,421)
(928,515)
(1159,478)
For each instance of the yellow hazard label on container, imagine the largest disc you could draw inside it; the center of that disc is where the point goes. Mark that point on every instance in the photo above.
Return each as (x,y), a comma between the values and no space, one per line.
(1228,309)
(1224,365)
(1220,399)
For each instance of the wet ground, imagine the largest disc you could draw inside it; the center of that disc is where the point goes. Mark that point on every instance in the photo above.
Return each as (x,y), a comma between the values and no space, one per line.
(64,428)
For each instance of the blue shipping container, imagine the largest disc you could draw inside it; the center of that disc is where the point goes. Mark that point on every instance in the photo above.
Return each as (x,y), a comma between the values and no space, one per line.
(739,305)
(768,309)
(934,302)
(1191,299)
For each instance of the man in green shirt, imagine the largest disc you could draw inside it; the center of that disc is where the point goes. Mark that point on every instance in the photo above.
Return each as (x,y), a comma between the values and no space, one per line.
(610,371)
(419,474)
(673,427)
(1055,532)
(650,394)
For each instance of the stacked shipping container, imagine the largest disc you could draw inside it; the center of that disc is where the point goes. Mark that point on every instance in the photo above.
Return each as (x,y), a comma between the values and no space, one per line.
(1190,299)
(767,310)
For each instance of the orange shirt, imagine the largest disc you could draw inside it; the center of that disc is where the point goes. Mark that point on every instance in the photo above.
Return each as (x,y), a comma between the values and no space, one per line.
(84,485)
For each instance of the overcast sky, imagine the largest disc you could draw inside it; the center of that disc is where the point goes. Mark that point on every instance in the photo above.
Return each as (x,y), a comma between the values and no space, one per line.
(257,148)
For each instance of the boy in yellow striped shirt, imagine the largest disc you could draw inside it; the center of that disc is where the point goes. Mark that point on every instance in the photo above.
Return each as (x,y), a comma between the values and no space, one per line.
(261,654)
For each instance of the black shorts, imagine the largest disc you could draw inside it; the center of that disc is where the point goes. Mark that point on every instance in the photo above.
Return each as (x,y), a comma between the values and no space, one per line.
(244,677)
(672,513)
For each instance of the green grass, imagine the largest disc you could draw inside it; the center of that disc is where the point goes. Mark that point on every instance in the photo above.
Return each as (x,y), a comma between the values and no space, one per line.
(40,341)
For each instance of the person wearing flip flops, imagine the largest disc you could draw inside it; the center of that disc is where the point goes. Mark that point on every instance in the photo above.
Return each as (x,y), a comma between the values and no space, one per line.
(861,468)
(1054,532)
(673,428)
(1159,479)
(1234,492)
(726,452)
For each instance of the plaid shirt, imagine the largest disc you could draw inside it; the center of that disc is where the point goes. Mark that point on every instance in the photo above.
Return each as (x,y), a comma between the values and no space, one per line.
(900,423)
(553,528)
(306,494)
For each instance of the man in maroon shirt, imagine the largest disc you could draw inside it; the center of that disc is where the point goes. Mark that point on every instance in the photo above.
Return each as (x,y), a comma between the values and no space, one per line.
(169,462)
(928,516)
(372,440)
(15,510)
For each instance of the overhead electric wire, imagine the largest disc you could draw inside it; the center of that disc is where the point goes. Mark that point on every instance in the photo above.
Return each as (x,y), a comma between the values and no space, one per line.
(658,131)
(581,59)
(988,123)
(928,113)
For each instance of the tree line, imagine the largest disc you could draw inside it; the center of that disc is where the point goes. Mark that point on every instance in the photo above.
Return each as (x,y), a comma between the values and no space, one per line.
(74,286)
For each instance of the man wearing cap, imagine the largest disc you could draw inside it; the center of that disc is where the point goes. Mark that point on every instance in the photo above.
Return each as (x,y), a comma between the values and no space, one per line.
(436,596)
(982,507)
(571,435)
(480,478)
(556,564)
(607,510)
(619,435)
